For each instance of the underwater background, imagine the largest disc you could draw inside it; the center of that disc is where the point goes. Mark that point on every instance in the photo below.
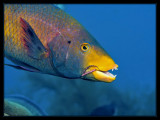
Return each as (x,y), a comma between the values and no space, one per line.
(128,33)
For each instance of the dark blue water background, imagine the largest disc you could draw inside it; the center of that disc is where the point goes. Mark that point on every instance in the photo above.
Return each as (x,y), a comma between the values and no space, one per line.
(128,34)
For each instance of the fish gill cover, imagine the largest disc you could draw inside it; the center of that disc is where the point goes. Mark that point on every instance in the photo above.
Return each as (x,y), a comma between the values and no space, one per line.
(127,32)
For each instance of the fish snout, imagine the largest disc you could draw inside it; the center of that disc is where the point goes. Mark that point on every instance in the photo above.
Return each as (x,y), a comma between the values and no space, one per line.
(99,70)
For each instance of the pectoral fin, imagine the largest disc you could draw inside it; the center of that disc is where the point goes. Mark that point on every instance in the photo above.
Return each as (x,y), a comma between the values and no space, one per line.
(32,44)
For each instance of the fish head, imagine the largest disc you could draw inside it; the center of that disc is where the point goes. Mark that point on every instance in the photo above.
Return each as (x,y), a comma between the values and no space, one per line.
(97,64)
(96,61)
(79,55)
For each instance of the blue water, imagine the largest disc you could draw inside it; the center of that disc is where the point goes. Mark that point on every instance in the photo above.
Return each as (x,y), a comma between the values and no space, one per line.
(128,34)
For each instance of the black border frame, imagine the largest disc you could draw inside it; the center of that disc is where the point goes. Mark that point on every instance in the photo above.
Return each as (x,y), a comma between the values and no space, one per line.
(80,2)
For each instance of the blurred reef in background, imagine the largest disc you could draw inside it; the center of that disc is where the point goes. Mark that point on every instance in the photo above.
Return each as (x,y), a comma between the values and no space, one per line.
(60,97)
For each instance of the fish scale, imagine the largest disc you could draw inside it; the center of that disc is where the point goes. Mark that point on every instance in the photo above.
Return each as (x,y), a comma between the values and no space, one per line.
(14,43)
(43,38)
(40,18)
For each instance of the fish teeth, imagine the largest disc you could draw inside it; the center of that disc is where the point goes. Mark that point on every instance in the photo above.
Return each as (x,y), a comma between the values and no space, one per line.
(116,68)
(110,74)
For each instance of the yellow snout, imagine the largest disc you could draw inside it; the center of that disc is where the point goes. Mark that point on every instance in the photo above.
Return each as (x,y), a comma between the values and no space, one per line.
(102,76)
(100,63)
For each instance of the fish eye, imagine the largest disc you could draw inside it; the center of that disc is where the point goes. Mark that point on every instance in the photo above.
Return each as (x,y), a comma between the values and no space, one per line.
(85,47)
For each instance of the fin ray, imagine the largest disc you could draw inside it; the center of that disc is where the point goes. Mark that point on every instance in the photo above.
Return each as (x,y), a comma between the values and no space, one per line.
(33,45)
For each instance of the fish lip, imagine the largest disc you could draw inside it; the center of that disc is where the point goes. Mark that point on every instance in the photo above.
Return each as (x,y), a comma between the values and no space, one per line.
(86,73)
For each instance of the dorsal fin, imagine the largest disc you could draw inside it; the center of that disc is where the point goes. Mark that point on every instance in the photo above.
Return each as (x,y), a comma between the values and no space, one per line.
(32,44)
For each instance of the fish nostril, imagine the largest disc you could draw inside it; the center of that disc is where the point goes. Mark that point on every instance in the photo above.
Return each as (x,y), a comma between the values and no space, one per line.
(69,42)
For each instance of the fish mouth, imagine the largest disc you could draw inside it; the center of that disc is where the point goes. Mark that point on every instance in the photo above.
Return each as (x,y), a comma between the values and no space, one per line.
(100,75)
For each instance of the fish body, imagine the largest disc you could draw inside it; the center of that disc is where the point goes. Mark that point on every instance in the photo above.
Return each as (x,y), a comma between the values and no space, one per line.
(18,105)
(43,38)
